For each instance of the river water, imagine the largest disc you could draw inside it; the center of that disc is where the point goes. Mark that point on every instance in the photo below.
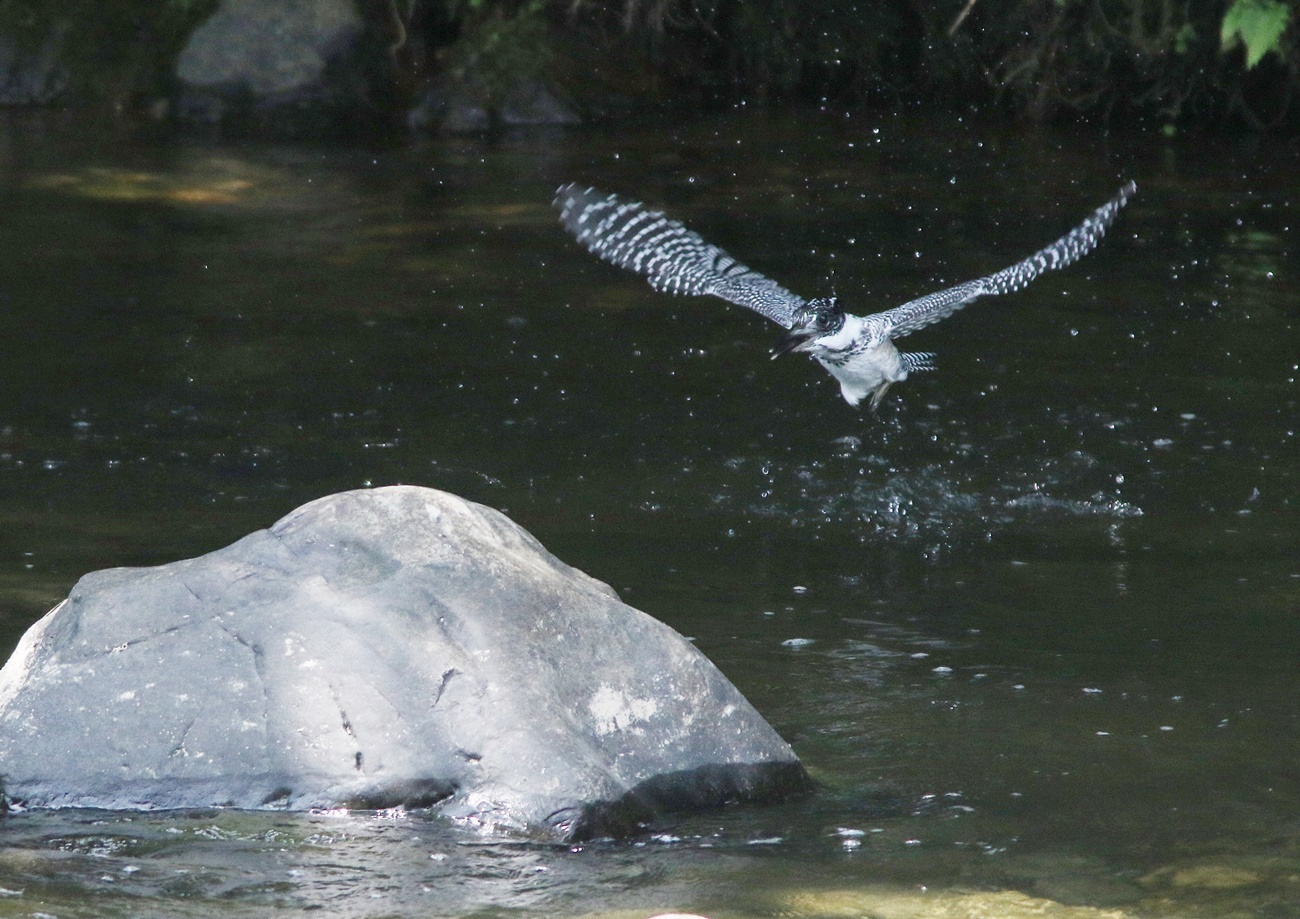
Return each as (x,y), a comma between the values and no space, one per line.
(1033,628)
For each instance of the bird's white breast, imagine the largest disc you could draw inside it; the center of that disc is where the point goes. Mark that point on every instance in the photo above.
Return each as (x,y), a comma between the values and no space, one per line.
(860,367)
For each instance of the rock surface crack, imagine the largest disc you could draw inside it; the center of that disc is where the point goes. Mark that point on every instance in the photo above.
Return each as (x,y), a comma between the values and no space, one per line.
(259,666)
(132,642)
(178,749)
(442,686)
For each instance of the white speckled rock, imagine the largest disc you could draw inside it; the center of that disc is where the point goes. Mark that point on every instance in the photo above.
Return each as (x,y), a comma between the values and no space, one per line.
(375,648)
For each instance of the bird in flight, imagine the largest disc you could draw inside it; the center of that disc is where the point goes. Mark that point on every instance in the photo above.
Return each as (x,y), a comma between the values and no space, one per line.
(858,351)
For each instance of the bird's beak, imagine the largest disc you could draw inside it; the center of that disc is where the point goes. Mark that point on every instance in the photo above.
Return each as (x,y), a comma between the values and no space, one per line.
(795,340)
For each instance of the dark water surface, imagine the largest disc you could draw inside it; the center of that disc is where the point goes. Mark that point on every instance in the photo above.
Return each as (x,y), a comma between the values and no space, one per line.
(1035,628)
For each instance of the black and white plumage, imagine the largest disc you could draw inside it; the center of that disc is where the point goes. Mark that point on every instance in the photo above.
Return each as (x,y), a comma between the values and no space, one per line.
(857,350)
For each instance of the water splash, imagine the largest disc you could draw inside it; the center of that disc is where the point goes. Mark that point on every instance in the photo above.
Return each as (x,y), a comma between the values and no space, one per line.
(942,502)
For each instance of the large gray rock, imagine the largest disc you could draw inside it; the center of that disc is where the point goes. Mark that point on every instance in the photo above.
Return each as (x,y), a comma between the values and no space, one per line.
(376,648)
(269,48)
(287,68)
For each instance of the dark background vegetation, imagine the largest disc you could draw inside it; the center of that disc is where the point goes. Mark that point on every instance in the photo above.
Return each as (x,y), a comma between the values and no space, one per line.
(1179,64)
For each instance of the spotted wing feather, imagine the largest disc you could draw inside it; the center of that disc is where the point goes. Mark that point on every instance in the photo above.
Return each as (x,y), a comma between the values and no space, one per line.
(1071,247)
(671,257)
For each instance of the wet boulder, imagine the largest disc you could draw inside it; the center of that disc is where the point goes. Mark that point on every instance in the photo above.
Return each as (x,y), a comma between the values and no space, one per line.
(289,68)
(395,646)
(467,104)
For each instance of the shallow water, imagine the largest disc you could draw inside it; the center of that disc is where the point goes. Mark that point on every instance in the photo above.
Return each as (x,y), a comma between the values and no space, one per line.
(1033,627)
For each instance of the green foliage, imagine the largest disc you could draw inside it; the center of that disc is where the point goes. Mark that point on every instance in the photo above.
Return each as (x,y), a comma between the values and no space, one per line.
(1256,24)
(721,50)
(499,45)
(1160,59)
(1040,58)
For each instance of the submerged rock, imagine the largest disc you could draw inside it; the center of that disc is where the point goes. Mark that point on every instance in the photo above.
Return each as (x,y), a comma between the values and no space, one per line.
(399,646)
(887,903)
(469,105)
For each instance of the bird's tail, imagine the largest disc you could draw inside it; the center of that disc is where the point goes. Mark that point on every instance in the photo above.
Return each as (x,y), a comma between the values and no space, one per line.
(917,360)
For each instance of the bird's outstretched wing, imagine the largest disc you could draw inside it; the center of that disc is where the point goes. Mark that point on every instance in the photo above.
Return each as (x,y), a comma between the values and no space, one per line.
(671,257)
(1071,247)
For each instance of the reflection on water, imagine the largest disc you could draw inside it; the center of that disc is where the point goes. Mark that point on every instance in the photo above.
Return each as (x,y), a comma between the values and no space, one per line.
(1033,628)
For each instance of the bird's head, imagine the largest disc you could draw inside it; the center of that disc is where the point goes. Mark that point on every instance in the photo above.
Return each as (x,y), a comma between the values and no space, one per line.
(815,319)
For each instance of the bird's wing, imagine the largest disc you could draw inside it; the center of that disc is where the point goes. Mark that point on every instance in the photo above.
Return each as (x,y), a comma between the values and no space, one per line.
(1068,249)
(671,257)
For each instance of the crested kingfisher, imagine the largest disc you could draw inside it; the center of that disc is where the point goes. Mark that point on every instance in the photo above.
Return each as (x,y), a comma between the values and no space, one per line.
(857,350)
